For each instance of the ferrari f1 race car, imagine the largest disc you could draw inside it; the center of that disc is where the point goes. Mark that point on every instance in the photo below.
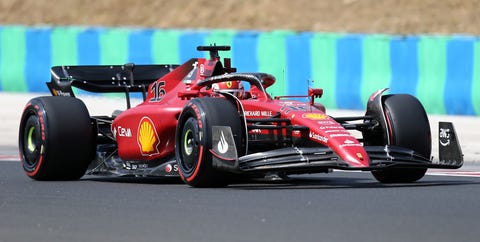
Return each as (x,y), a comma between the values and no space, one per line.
(210,125)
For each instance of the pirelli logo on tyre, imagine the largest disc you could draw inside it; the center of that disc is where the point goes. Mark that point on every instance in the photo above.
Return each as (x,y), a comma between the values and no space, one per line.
(148,139)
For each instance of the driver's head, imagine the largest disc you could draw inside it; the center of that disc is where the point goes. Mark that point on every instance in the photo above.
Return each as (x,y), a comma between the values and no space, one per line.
(233,87)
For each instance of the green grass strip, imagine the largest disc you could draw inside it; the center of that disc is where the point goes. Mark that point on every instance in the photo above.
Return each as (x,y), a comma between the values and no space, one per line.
(432,72)
(12,59)
(324,65)
(114,46)
(376,73)
(271,52)
(221,37)
(64,46)
(114,50)
(476,78)
(165,47)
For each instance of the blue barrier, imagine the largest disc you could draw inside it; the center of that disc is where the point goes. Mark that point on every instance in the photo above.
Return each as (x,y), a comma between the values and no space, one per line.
(442,71)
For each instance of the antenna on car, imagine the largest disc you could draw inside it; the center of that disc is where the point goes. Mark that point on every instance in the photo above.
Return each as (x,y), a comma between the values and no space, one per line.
(213,49)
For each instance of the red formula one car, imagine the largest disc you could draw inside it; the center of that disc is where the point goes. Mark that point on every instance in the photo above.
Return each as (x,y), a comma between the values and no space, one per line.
(197,121)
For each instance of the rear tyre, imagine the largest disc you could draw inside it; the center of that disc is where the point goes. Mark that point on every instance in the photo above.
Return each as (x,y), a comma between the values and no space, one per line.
(408,127)
(56,138)
(194,140)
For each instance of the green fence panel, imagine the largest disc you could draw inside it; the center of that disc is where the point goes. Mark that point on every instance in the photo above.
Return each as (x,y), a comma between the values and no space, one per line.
(476,78)
(114,46)
(165,46)
(271,53)
(432,72)
(220,37)
(12,59)
(64,46)
(324,60)
(114,50)
(376,72)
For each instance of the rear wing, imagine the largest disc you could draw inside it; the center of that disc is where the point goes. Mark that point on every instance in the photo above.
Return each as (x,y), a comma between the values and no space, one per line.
(105,78)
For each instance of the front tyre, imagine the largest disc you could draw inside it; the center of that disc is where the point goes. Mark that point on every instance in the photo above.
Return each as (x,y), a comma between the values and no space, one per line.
(408,127)
(56,138)
(194,140)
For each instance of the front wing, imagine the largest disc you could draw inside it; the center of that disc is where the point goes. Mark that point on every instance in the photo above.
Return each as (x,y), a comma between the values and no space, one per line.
(301,160)
(321,159)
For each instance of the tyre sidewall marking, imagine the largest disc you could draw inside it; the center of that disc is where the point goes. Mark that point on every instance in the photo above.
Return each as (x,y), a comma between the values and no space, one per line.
(34,109)
(197,115)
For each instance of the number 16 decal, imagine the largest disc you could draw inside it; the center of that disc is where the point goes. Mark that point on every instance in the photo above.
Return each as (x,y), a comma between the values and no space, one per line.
(158,91)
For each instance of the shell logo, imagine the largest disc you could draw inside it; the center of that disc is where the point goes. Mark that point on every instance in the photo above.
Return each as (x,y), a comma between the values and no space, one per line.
(148,140)
(315,116)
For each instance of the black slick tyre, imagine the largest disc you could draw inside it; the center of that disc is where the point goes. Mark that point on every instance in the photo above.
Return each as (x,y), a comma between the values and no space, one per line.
(194,140)
(408,127)
(56,138)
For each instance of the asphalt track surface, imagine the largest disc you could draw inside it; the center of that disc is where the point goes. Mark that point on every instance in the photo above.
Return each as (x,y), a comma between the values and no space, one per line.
(341,206)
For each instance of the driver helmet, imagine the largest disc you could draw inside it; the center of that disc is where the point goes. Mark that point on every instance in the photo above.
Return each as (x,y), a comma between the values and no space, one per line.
(233,87)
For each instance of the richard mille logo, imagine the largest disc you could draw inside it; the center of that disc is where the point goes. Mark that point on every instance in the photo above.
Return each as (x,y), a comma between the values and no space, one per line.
(222,144)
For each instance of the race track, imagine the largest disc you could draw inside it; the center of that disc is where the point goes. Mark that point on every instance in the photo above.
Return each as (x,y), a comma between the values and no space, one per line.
(341,206)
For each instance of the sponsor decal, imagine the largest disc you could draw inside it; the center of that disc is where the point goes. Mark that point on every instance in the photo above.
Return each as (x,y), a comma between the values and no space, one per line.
(359,155)
(222,144)
(60,93)
(315,116)
(318,137)
(127,165)
(336,131)
(289,106)
(202,68)
(349,142)
(148,140)
(326,122)
(169,168)
(122,132)
(340,135)
(258,113)
(192,73)
(329,127)
(444,137)
(198,116)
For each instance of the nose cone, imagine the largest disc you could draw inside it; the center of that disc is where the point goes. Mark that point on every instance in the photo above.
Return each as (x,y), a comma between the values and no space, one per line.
(325,130)
(350,150)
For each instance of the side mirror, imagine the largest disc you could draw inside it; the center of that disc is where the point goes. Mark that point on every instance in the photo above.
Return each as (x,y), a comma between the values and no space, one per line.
(315,92)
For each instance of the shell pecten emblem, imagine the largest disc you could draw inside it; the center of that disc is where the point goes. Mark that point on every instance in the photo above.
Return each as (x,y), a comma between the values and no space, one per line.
(148,140)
